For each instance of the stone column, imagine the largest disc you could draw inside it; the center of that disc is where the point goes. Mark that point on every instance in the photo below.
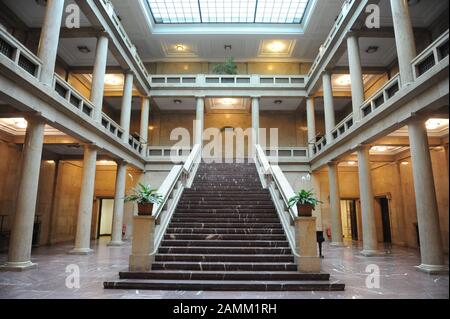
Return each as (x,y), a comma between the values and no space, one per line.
(311,123)
(48,44)
(370,240)
(255,121)
(356,76)
(431,251)
(19,254)
(328,106)
(125,111)
(98,76)
(401,211)
(145,113)
(404,39)
(335,205)
(121,178)
(200,118)
(83,235)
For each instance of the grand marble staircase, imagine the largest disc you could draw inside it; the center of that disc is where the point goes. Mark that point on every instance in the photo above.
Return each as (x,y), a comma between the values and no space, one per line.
(225,235)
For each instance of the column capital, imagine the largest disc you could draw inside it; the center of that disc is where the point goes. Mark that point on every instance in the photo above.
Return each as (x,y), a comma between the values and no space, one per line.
(351,33)
(363,147)
(255,97)
(102,34)
(200,96)
(333,163)
(121,161)
(415,117)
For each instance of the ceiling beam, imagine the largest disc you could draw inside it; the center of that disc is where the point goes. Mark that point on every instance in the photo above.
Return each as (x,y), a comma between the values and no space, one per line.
(366,70)
(387,32)
(68,33)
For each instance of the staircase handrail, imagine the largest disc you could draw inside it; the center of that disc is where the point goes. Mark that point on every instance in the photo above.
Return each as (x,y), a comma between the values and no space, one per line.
(279,188)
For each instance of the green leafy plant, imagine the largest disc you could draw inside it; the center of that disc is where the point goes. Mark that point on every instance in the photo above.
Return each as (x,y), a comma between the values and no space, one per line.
(304,197)
(228,67)
(144,194)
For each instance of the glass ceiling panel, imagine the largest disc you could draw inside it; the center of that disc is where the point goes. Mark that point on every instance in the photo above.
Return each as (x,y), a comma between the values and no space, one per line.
(228,11)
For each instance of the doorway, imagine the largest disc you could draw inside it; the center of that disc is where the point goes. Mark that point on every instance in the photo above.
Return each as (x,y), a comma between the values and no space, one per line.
(105,217)
(349,219)
(383,203)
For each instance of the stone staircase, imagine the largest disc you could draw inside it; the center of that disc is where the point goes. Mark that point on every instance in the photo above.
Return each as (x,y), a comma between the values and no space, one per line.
(225,235)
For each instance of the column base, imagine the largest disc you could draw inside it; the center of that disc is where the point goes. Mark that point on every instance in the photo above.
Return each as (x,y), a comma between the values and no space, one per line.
(115,243)
(81,251)
(372,253)
(17,266)
(433,269)
(337,244)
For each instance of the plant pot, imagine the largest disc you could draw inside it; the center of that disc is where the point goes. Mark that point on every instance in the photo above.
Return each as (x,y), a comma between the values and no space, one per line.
(305,210)
(145,209)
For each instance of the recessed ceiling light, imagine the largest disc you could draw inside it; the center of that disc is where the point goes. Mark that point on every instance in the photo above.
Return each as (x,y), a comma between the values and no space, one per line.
(351,163)
(344,80)
(151,127)
(84,49)
(113,79)
(405,163)
(228,101)
(379,148)
(433,124)
(276,46)
(180,47)
(21,123)
(372,49)
(50,162)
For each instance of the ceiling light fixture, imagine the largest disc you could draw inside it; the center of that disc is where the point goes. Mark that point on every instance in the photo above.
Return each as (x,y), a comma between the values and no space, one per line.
(379,148)
(405,163)
(180,47)
(344,80)
(433,124)
(228,47)
(372,49)
(278,102)
(113,79)
(276,46)
(228,101)
(351,163)
(21,123)
(84,49)
(177,101)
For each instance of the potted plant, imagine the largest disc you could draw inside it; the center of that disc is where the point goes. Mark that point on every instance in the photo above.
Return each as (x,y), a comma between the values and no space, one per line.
(306,202)
(145,196)
(228,67)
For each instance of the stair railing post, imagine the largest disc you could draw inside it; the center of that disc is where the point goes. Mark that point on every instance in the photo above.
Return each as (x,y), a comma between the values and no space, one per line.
(141,258)
(305,238)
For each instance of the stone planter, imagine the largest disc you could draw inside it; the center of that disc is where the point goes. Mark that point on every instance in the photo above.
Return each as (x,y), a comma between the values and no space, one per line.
(145,209)
(305,210)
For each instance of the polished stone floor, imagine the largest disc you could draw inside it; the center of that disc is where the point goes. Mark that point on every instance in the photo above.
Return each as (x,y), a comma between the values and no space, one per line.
(398,277)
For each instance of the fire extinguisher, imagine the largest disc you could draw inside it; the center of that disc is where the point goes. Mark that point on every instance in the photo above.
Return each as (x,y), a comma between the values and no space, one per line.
(329,233)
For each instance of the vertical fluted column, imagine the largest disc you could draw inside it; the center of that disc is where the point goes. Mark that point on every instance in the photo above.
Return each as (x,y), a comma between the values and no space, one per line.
(48,44)
(83,235)
(118,211)
(255,121)
(328,106)
(200,120)
(145,113)
(335,205)
(370,240)
(404,39)
(19,254)
(311,123)
(98,76)
(356,75)
(125,111)
(431,251)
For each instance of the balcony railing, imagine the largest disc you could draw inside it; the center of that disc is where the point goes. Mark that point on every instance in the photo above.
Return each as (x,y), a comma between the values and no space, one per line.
(206,80)
(112,127)
(17,53)
(423,64)
(168,153)
(109,8)
(286,153)
(431,56)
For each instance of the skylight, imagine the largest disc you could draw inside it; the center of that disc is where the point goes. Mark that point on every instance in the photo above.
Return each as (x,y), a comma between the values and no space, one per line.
(228,11)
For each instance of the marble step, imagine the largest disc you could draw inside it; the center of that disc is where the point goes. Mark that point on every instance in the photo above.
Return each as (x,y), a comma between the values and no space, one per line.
(224,258)
(224,243)
(225,275)
(225,225)
(226,209)
(225,231)
(212,219)
(224,237)
(226,250)
(224,266)
(221,201)
(208,285)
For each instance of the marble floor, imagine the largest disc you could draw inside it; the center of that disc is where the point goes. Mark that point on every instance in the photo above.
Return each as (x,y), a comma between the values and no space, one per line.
(398,277)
